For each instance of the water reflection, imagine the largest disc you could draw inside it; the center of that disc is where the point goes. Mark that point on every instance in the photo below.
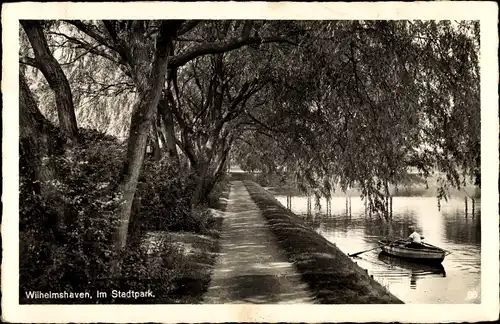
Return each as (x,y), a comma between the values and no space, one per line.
(398,266)
(448,226)
(462,228)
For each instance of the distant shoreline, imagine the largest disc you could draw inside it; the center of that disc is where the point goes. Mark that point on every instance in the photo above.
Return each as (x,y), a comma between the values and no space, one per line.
(416,188)
(411,191)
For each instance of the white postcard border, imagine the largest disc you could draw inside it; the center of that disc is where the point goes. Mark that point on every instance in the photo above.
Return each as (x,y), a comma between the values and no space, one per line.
(486,12)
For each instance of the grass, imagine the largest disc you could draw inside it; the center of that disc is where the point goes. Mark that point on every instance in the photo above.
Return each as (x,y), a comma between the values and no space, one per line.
(331,275)
(193,273)
(194,270)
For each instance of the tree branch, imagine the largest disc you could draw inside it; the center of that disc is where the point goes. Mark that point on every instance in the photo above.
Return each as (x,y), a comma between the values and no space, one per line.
(222,47)
(86,29)
(111,30)
(258,122)
(247,28)
(91,48)
(29,61)
(187,26)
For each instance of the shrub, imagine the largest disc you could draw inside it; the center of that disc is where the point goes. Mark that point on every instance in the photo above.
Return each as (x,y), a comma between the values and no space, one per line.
(156,270)
(69,258)
(78,255)
(166,196)
(213,199)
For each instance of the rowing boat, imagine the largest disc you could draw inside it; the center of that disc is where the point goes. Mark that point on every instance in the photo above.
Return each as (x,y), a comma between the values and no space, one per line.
(427,253)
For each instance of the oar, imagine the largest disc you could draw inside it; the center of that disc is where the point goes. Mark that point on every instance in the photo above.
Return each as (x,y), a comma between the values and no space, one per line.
(358,253)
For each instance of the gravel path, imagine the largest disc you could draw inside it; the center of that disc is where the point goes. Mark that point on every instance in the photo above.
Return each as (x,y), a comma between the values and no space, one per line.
(251,267)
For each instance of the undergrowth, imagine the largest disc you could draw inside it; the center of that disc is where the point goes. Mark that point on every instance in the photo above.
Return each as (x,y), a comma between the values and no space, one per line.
(76,256)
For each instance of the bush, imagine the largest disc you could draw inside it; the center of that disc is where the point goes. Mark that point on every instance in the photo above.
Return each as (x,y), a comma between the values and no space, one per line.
(166,196)
(76,256)
(213,199)
(167,192)
(69,258)
(156,270)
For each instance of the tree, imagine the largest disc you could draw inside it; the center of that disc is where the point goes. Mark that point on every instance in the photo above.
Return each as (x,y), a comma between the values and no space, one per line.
(38,142)
(361,102)
(150,84)
(214,98)
(45,61)
(338,102)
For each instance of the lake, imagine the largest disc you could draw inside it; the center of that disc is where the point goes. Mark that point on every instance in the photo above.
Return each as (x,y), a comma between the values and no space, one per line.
(458,280)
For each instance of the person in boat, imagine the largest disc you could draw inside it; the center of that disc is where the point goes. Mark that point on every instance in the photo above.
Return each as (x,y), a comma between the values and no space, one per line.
(415,239)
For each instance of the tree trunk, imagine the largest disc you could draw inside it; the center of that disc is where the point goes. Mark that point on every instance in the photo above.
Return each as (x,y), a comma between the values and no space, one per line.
(149,89)
(386,202)
(36,144)
(219,171)
(135,229)
(157,153)
(209,172)
(202,172)
(390,206)
(168,121)
(58,82)
(162,133)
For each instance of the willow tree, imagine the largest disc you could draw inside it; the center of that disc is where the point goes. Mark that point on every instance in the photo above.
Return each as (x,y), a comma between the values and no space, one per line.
(210,110)
(365,100)
(51,69)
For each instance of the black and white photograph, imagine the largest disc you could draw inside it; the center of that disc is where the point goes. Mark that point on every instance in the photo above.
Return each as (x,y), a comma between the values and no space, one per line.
(275,161)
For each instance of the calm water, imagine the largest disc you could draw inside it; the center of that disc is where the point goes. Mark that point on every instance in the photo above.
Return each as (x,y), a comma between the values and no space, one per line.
(459,278)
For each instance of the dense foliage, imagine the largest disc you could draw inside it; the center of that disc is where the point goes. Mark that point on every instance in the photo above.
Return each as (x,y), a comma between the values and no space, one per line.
(77,257)
(79,252)
(363,103)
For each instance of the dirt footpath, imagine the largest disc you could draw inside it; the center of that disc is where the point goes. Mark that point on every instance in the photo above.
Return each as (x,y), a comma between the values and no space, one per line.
(252,268)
